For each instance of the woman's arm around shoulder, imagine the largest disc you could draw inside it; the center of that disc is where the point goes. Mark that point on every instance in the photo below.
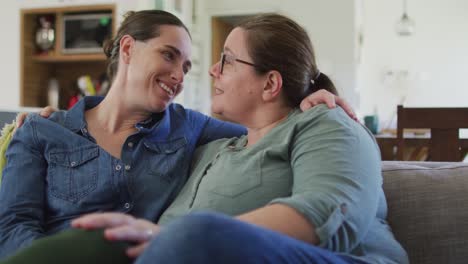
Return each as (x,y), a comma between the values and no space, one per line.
(209,128)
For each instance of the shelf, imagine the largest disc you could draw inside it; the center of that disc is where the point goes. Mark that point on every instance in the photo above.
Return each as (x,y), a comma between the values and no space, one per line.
(67,9)
(69,58)
(37,69)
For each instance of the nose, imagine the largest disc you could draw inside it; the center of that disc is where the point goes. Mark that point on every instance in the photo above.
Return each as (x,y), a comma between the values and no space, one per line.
(215,70)
(178,74)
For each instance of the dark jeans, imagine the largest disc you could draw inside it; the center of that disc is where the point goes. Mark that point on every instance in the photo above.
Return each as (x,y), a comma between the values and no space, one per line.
(215,238)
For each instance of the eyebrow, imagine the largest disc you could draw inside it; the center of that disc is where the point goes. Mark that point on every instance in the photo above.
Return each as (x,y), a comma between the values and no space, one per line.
(229,52)
(187,63)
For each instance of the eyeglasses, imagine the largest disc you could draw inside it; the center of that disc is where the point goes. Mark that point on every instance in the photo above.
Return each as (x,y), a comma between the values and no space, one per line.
(229,59)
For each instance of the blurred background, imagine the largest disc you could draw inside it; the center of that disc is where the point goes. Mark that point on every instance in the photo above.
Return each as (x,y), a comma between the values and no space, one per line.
(379,53)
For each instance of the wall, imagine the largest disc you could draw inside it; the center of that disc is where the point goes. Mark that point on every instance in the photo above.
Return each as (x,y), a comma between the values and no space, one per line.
(331,29)
(426,69)
(9,66)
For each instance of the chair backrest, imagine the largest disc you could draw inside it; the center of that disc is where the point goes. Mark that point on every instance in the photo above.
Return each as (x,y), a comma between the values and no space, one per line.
(444,124)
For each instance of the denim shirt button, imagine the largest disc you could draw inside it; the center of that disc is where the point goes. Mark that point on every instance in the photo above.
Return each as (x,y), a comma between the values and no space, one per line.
(127,167)
(118,167)
(73,164)
(130,144)
(127,205)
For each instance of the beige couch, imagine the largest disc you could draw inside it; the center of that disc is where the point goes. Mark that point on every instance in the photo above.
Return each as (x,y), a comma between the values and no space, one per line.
(428,209)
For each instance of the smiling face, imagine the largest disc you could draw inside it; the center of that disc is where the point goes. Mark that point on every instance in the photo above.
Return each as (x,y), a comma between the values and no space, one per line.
(238,89)
(156,68)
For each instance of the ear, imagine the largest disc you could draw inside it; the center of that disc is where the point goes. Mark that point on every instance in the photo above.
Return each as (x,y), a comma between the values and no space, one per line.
(127,43)
(273,86)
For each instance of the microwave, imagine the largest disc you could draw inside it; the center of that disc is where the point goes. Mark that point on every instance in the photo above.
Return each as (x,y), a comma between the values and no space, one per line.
(85,33)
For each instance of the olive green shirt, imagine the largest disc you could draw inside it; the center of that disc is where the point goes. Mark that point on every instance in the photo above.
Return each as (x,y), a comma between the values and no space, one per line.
(320,162)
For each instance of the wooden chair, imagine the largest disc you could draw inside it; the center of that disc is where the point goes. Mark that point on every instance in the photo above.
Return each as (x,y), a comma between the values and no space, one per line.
(444,123)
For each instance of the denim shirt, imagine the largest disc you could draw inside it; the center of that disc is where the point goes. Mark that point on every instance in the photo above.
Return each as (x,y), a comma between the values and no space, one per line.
(56,172)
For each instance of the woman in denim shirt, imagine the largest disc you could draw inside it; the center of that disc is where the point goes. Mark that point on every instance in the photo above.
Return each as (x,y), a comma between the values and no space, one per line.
(129,152)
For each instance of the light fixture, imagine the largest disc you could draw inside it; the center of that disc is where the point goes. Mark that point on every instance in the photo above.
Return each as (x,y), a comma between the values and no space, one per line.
(405,25)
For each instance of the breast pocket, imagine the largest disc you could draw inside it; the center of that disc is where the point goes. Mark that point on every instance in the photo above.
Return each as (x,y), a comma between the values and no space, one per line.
(73,174)
(168,158)
(231,176)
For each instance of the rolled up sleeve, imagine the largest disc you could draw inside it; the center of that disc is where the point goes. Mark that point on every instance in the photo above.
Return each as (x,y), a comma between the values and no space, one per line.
(337,179)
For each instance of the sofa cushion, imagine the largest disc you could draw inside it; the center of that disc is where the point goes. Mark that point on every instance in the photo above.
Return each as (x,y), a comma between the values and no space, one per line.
(428,209)
(5,138)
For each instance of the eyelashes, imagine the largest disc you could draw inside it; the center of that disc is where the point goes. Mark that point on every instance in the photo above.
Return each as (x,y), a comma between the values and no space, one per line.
(171,57)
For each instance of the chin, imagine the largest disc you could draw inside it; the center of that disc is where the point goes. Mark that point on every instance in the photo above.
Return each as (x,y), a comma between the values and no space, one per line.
(216,110)
(159,107)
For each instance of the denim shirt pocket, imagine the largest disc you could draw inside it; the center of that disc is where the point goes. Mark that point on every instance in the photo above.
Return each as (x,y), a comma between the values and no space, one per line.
(73,173)
(167,158)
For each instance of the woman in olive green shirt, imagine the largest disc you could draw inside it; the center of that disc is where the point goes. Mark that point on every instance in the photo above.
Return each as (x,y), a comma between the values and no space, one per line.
(304,187)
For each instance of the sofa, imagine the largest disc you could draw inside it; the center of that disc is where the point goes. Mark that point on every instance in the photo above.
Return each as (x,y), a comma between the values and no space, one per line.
(7,117)
(428,209)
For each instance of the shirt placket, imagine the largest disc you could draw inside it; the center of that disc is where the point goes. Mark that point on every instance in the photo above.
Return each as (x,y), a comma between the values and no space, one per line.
(126,170)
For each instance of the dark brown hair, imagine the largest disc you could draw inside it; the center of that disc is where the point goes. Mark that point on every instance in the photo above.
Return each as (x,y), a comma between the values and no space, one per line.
(141,25)
(276,42)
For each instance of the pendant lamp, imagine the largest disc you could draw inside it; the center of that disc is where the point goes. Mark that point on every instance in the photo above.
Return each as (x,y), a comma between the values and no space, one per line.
(405,25)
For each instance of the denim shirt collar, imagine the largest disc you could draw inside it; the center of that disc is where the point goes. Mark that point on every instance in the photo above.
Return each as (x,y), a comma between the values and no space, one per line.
(75,118)
(158,122)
